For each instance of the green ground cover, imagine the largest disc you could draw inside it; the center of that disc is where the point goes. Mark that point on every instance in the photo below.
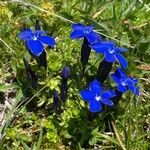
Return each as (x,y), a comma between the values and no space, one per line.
(30,122)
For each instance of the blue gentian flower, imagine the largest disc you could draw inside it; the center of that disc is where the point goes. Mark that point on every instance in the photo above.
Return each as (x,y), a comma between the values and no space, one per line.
(111,52)
(90,37)
(36,40)
(81,31)
(125,82)
(96,97)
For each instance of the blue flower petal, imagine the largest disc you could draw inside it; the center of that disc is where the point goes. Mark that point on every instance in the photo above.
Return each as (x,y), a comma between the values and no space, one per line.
(97,45)
(88,30)
(109,44)
(115,78)
(112,93)
(95,106)
(77,34)
(91,38)
(99,38)
(108,94)
(121,88)
(87,95)
(35,46)
(95,87)
(132,80)
(107,102)
(122,60)
(26,34)
(120,49)
(99,48)
(120,74)
(78,26)
(109,57)
(134,89)
(137,92)
(47,40)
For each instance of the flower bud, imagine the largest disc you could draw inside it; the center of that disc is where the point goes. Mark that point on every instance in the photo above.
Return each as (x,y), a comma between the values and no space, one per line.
(56,99)
(65,73)
(30,74)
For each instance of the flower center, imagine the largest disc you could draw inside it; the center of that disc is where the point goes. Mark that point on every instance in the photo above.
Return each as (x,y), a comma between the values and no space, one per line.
(123,82)
(111,51)
(87,30)
(97,98)
(34,38)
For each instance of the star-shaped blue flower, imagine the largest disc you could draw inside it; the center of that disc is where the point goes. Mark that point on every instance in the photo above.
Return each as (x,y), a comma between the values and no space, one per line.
(36,40)
(96,97)
(125,82)
(81,31)
(111,52)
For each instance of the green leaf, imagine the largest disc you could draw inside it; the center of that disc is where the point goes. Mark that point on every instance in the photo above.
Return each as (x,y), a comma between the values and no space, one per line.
(40,139)
(3,88)
(25,146)
(111,139)
(125,39)
(100,26)
(129,9)
(144,46)
(19,95)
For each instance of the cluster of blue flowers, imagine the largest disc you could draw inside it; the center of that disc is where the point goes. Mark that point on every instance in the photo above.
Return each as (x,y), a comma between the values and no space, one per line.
(112,53)
(37,40)
(108,48)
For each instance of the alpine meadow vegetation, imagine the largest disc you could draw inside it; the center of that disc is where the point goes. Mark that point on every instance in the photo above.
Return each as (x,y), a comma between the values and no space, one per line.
(74,75)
